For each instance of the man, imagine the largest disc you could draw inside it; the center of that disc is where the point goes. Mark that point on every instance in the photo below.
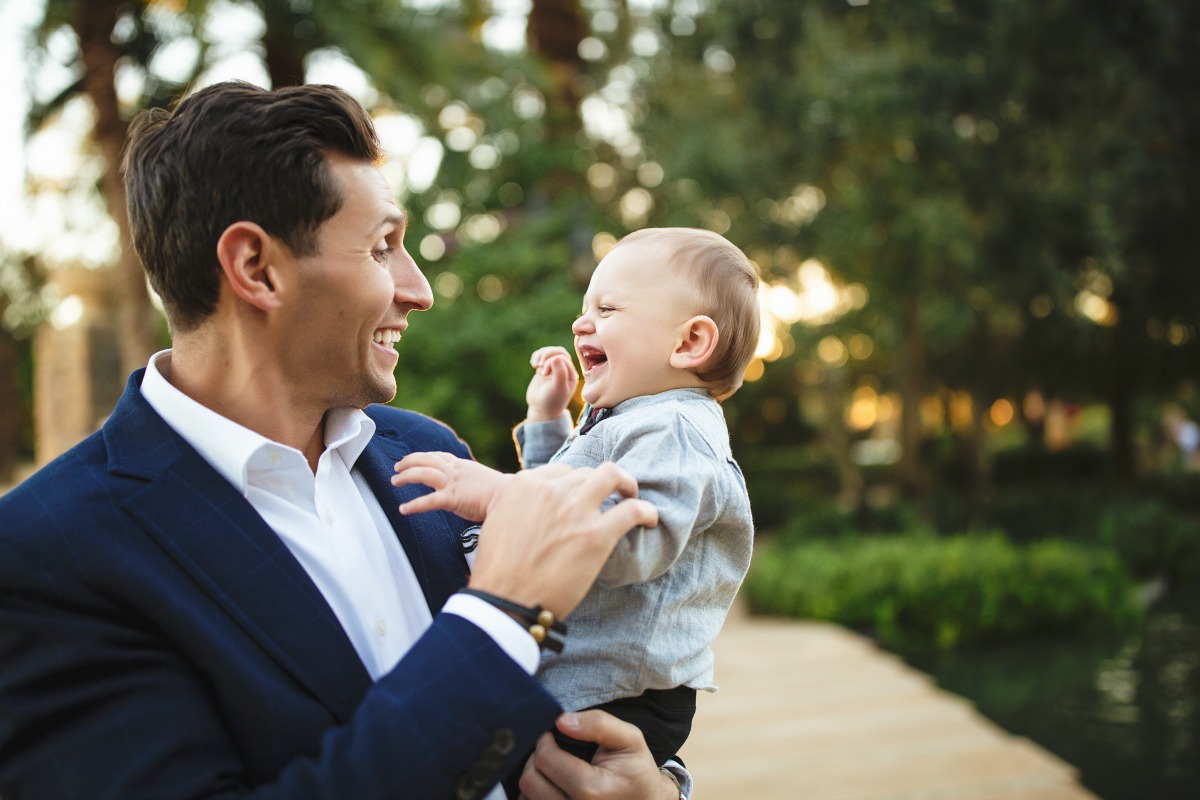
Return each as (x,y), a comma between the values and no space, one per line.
(215,595)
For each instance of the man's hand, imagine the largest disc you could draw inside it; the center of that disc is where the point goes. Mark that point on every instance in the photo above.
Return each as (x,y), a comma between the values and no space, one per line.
(552,385)
(622,768)
(461,486)
(545,538)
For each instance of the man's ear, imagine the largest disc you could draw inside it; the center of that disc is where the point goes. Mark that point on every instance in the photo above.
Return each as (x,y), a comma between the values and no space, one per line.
(247,254)
(698,340)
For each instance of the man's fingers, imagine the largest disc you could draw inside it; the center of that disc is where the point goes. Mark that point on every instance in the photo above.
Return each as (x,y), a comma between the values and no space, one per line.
(632,513)
(545,472)
(614,735)
(601,481)
(593,484)
(534,783)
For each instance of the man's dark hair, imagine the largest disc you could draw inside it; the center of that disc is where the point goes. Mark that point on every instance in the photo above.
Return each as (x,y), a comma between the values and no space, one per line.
(228,153)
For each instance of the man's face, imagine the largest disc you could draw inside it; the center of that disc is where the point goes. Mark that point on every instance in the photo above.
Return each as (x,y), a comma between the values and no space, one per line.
(353,295)
(633,312)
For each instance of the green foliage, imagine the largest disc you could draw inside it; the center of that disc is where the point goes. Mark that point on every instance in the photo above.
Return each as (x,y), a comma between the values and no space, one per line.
(1151,538)
(979,164)
(974,161)
(918,592)
(466,361)
(1154,529)
(812,516)
(1056,509)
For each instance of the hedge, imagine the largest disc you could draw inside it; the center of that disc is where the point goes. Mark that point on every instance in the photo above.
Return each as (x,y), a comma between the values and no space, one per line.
(918,592)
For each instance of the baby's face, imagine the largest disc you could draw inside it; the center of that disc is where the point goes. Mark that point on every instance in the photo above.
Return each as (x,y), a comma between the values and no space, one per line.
(634,314)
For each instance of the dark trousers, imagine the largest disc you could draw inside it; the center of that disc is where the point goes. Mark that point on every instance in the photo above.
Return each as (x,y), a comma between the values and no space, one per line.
(663,715)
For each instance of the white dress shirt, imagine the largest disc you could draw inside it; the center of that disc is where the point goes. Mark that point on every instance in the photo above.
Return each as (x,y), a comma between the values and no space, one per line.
(333,524)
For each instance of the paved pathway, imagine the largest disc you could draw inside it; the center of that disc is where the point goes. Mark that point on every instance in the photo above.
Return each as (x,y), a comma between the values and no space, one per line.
(809,711)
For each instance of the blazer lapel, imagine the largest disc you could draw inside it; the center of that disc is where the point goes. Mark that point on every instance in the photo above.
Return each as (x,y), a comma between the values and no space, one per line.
(215,536)
(431,540)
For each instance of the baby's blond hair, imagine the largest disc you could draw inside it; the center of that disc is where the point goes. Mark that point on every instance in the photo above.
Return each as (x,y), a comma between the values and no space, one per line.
(726,284)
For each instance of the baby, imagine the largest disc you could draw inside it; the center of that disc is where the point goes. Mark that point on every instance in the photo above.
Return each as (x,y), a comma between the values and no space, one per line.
(670,320)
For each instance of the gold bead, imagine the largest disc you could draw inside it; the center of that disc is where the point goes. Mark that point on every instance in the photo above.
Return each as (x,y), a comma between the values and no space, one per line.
(546,618)
(538,633)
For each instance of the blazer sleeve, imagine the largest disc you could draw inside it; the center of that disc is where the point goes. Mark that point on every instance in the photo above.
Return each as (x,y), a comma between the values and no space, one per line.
(450,721)
(95,703)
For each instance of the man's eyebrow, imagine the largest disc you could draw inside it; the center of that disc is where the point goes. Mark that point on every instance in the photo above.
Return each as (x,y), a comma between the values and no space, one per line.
(395,220)
(398,218)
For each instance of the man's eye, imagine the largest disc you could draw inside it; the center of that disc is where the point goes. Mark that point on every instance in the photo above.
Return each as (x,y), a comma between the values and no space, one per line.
(383,252)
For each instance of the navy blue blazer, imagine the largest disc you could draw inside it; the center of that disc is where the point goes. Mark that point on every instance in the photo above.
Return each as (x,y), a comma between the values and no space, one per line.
(157,639)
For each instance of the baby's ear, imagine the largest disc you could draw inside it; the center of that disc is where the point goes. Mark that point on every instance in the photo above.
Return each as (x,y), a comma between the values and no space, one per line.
(697,341)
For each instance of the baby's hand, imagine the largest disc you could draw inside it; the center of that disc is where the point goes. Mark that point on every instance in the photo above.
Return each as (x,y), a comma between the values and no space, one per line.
(552,385)
(461,486)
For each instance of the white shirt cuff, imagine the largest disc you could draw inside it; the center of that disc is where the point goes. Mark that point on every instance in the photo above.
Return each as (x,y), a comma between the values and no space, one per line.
(682,775)
(504,630)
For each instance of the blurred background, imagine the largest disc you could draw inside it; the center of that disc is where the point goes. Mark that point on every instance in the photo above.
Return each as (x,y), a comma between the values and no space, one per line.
(969,431)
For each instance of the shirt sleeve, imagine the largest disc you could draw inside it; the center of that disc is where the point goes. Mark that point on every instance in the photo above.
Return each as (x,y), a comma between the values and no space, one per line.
(503,629)
(676,472)
(537,442)
(682,775)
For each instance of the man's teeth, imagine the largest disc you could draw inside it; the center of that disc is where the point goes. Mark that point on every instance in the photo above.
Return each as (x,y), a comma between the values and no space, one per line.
(388,337)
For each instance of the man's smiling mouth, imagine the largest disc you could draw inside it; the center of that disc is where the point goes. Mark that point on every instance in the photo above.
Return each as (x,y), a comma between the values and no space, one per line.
(386,337)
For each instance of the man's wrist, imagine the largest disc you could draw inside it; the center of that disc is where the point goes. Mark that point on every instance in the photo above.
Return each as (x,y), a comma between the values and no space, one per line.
(546,629)
(676,789)
(505,631)
(683,778)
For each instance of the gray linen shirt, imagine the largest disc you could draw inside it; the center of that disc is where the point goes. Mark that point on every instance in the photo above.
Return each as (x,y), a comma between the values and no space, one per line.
(662,597)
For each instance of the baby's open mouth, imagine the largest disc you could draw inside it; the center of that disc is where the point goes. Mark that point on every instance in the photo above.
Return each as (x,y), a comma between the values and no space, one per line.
(591,358)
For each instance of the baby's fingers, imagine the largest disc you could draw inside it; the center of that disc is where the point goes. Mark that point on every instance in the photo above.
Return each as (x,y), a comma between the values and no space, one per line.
(426,502)
(543,354)
(433,477)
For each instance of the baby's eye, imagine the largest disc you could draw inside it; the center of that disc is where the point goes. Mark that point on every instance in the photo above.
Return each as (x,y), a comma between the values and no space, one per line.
(605,309)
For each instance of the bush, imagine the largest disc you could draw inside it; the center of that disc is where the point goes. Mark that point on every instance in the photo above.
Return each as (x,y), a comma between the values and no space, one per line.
(1052,510)
(917,592)
(1152,538)
(813,517)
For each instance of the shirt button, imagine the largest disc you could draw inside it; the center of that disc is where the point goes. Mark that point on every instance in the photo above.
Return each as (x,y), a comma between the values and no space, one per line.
(381,627)
(274,457)
(328,517)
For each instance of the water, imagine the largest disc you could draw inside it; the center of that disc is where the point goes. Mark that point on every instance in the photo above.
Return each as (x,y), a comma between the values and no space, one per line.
(1124,710)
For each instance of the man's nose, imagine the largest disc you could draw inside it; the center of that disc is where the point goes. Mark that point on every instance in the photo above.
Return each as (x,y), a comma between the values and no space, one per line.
(412,288)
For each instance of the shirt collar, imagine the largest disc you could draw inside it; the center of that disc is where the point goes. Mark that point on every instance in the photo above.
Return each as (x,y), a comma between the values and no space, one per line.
(686,395)
(229,447)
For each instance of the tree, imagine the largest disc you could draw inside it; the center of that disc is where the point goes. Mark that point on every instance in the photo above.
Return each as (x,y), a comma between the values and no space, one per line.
(101,49)
(980,176)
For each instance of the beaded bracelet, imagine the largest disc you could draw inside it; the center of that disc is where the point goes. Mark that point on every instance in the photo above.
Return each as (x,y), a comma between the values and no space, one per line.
(540,622)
